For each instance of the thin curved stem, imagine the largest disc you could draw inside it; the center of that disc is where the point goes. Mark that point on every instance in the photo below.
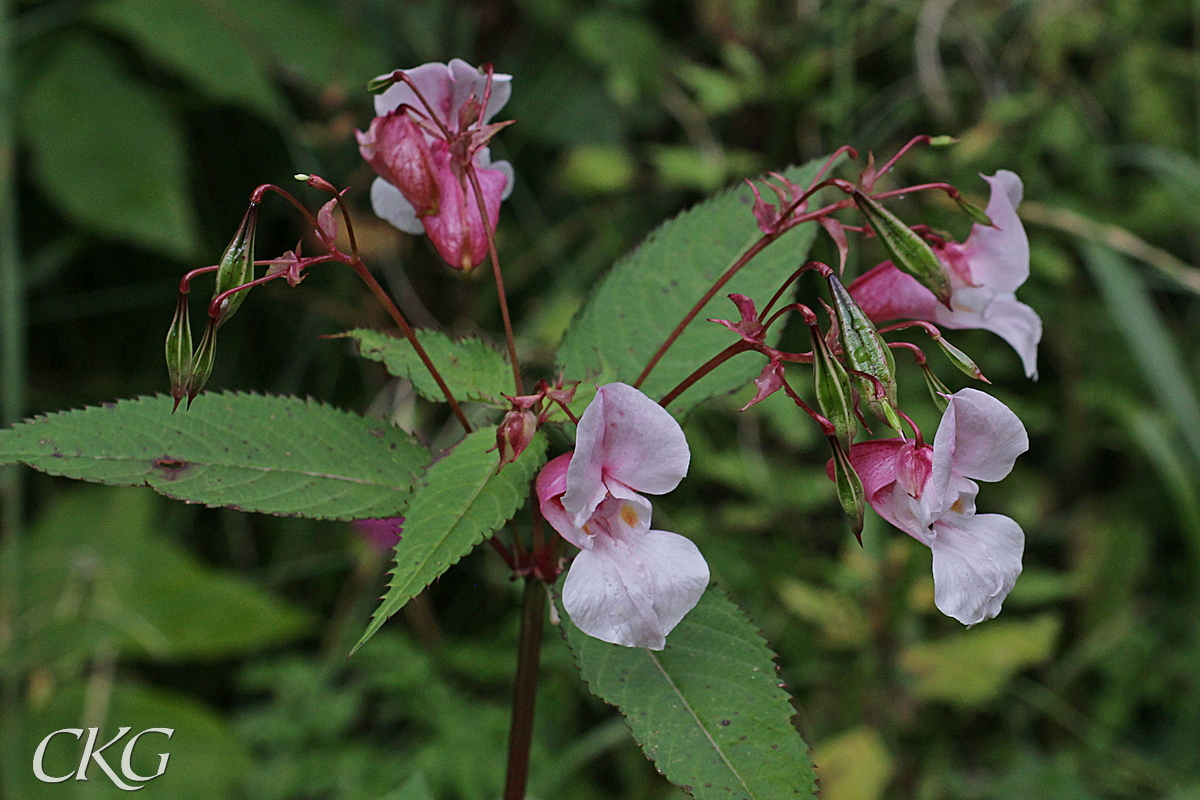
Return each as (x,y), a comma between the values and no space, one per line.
(491,240)
(705,368)
(754,250)
(389,305)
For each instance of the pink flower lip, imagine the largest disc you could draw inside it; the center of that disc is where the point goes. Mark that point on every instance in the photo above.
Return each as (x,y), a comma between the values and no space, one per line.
(629,584)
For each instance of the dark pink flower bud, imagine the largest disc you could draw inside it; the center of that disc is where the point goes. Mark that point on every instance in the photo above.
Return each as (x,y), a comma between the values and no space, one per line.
(514,435)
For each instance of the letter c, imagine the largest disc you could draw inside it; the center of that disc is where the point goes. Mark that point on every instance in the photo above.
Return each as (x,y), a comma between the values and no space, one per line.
(40,753)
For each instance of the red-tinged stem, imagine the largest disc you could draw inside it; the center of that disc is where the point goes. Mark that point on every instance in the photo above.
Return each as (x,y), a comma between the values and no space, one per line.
(826,426)
(567,410)
(318,182)
(833,158)
(491,240)
(917,352)
(214,307)
(775,298)
(520,563)
(705,368)
(928,327)
(503,552)
(809,317)
(185,284)
(921,187)
(257,195)
(754,250)
(891,162)
(357,265)
(536,528)
(520,733)
(428,108)
(916,431)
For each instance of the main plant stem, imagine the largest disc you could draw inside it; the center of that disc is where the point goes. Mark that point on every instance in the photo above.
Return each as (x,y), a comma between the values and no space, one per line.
(529,652)
(12,408)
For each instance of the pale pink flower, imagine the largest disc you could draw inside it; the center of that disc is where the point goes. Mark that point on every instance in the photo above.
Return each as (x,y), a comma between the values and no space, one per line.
(984,271)
(929,493)
(628,585)
(421,187)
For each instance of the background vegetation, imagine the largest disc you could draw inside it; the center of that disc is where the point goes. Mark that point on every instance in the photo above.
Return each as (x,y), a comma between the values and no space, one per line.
(142,126)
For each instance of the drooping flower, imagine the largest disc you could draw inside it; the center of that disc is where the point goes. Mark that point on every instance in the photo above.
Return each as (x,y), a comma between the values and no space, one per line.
(985,272)
(628,585)
(929,493)
(419,151)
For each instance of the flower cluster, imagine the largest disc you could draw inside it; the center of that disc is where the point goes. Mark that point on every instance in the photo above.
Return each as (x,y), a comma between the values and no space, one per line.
(630,584)
(430,131)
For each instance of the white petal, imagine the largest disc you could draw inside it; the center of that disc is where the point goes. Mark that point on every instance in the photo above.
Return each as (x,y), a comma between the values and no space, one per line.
(468,79)
(633,592)
(976,561)
(433,79)
(978,437)
(625,436)
(998,254)
(390,206)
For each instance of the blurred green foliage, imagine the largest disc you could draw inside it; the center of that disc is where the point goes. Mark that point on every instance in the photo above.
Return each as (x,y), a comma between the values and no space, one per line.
(144,125)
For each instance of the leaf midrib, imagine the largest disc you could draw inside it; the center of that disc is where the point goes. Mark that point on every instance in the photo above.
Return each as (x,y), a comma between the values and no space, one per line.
(198,462)
(699,724)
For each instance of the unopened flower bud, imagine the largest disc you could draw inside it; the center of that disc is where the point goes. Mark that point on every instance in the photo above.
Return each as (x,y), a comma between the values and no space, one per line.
(866,352)
(237,265)
(961,360)
(937,390)
(514,435)
(179,351)
(851,495)
(202,361)
(977,214)
(327,224)
(832,384)
(910,253)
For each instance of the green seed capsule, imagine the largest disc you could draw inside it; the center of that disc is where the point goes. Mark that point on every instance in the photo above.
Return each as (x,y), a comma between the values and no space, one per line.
(910,253)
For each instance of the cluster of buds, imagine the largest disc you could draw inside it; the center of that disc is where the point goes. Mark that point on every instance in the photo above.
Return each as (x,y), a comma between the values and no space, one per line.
(188,368)
(527,413)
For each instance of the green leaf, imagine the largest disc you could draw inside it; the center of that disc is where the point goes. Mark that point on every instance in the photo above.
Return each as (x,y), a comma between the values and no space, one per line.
(276,455)
(708,709)
(187,37)
(206,759)
(156,598)
(1148,338)
(310,41)
(415,788)
(461,501)
(651,290)
(107,152)
(971,667)
(473,369)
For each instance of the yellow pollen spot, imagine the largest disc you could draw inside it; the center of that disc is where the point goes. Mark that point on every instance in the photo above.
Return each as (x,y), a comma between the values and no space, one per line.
(628,515)
(958,506)
(587,529)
